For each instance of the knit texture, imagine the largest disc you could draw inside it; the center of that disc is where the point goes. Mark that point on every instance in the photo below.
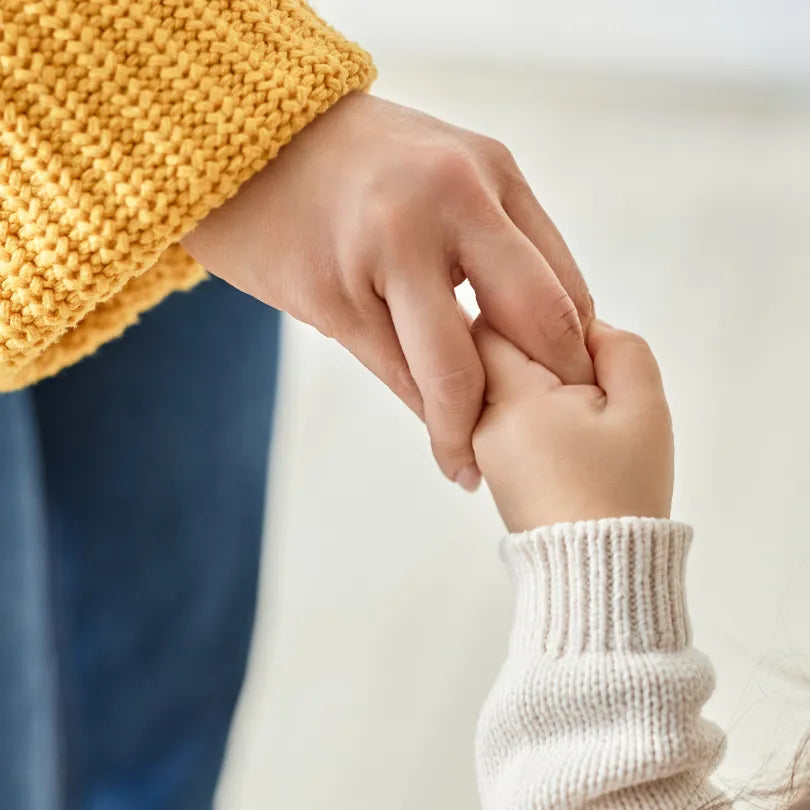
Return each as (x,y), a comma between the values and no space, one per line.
(598,703)
(122,124)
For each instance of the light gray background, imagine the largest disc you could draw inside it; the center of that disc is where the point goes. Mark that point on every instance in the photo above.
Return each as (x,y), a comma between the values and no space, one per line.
(680,174)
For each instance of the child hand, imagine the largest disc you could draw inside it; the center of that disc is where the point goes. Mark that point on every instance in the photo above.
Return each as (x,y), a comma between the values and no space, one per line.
(552,453)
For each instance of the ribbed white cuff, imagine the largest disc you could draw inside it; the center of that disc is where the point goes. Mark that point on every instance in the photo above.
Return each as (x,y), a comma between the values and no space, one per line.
(615,584)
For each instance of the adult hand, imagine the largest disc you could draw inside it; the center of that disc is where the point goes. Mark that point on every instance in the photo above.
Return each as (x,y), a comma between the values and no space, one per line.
(362,227)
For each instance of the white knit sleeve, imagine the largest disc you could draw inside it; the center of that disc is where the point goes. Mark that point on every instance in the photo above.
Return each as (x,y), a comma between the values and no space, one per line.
(598,702)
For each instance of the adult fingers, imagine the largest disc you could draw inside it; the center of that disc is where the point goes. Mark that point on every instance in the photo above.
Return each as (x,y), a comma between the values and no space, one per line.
(376,345)
(508,370)
(445,364)
(626,369)
(521,297)
(524,209)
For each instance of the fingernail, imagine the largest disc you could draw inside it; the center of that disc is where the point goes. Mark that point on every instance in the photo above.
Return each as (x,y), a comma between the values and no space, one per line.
(468,477)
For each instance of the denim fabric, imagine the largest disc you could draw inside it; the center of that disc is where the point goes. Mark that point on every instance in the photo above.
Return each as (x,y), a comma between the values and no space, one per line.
(131,505)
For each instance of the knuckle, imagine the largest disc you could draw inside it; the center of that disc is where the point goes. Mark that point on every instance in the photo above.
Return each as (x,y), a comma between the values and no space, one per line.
(514,183)
(451,167)
(454,175)
(457,392)
(498,152)
(384,215)
(486,213)
(387,225)
(559,321)
(569,273)
(447,448)
(503,161)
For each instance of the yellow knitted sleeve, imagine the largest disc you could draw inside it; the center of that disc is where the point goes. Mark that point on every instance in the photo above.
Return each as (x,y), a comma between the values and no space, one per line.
(122,124)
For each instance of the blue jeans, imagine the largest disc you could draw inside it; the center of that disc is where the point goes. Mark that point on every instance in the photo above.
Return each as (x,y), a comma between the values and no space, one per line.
(131,505)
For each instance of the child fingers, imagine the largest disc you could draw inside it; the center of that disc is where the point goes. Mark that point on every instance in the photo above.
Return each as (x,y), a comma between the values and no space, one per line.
(508,370)
(626,369)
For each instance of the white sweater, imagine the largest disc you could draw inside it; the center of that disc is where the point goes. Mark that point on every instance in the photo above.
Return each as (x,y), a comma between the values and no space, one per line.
(598,702)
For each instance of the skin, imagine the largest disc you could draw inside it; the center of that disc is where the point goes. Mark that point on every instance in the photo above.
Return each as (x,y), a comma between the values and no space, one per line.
(553,453)
(364,225)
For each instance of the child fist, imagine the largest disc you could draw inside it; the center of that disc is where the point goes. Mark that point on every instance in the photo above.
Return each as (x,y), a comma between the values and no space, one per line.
(554,453)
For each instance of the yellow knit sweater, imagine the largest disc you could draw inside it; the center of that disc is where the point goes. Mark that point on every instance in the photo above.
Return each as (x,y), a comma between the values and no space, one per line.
(122,124)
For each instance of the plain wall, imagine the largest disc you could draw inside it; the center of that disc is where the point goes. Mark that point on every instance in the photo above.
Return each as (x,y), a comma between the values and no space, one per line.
(384,610)
(751,39)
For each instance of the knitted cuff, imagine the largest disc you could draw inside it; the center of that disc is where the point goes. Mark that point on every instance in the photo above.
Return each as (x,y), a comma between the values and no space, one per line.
(601,585)
(124,122)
